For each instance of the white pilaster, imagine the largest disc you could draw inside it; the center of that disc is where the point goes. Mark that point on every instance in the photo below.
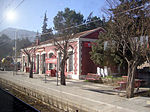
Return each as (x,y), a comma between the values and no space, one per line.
(79,53)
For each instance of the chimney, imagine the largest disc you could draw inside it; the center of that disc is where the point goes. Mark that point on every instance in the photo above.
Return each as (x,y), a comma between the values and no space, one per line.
(37,41)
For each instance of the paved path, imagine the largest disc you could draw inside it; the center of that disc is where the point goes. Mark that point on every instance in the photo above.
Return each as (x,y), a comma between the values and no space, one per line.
(98,96)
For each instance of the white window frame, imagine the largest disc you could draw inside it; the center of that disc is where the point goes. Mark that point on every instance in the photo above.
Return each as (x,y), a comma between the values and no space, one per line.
(49,57)
(70,50)
(58,60)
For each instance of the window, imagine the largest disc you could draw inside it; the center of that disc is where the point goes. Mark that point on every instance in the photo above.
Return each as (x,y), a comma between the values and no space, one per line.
(51,65)
(43,63)
(27,61)
(37,61)
(50,55)
(59,60)
(70,61)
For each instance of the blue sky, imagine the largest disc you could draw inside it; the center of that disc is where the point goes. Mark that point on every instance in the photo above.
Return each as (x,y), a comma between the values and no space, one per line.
(30,13)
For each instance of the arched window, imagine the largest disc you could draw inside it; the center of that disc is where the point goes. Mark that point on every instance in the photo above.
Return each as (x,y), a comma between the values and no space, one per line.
(59,59)
(50,55)
(70,64)
(51,65)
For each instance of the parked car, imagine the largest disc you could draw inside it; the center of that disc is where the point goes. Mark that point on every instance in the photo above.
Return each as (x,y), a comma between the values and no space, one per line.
(1,69)
(7,64)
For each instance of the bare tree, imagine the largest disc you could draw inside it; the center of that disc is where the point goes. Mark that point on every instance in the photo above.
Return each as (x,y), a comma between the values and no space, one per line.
(128,33)
(62,45)
(30,52)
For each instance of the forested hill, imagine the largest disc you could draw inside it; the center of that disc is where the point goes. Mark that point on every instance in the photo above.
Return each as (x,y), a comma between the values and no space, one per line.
(7,44)
(21,33)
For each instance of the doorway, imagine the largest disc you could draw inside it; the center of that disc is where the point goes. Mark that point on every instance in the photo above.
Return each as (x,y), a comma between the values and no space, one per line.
(37,61)
(43,63)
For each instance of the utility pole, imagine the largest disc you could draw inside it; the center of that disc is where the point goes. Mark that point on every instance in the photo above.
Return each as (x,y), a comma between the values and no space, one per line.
(57,70)
(16,52)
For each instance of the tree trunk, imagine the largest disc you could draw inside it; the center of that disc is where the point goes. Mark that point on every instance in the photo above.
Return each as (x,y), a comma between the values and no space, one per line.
(31,70)
(131,80)
(62,72)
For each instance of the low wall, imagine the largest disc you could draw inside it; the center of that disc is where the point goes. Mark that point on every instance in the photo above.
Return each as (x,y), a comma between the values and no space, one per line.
(56,102)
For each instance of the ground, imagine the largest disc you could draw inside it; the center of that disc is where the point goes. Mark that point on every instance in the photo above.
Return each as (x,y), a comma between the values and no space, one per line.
(93,96)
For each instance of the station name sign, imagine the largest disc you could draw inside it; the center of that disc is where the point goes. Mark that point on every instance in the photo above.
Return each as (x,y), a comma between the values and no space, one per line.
(51,60)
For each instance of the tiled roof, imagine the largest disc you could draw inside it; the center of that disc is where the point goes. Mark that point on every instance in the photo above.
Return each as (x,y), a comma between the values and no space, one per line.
(85,33)
(78,35)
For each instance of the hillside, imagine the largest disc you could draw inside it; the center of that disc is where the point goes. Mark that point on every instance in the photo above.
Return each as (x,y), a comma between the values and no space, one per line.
(21,33)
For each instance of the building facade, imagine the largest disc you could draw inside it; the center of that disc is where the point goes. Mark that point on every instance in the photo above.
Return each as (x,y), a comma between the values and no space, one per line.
(78,64)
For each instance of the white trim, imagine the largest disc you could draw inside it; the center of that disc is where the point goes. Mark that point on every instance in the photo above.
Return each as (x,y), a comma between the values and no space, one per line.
(38,53)
(57,53)
(45,45)
(73,40)
(28,48)
(58,60)
(68,61)
(78,57)
(41,61)
(49,57)
(73,61)
(23,55)
(23,62)
(43,52)
(87,39)
(51,51)
(40,71)
(38,62)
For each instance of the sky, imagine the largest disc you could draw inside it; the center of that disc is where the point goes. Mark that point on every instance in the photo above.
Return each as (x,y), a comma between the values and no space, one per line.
(30,14)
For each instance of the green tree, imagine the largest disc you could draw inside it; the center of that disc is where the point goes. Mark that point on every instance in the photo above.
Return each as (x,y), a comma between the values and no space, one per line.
(44,27)
(64,23)
(128,33)
(67,18)
(47,33)
(94,22)
(62,45)
(102,55)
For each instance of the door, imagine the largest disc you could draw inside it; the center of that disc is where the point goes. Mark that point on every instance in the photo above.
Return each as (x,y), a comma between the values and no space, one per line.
(43,63)
(37,61)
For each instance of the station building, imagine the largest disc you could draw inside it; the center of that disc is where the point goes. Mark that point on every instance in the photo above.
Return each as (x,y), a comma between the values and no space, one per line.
(78,64)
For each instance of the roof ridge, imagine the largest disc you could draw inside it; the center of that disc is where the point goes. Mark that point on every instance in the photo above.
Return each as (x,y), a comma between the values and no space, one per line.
(77,35)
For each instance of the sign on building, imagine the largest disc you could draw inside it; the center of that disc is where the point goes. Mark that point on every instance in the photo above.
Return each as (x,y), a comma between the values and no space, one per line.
(51,60)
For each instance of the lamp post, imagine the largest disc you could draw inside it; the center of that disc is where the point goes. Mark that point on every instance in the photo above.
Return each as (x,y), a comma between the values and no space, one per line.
(15,52)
